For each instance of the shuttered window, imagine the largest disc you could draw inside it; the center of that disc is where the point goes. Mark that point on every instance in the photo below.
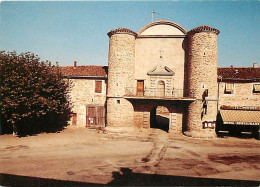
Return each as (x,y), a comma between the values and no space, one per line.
(229,88)
(256,88)
(98,86)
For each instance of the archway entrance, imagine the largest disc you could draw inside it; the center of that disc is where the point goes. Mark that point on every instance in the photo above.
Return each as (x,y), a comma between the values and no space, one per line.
(160,118)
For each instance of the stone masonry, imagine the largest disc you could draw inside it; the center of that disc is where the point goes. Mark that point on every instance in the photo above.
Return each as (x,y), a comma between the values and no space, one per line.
(163,70)
(120,75)
(82,94)
(242,96)
(202,79)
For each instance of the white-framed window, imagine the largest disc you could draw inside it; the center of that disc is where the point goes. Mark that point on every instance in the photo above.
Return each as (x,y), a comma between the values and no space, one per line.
(229,88)
(256,88)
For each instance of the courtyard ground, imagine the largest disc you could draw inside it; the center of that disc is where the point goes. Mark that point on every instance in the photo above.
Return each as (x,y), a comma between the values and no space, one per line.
(127,157)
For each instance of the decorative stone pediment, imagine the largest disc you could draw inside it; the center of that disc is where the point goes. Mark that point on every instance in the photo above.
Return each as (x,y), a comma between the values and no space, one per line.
(161,71)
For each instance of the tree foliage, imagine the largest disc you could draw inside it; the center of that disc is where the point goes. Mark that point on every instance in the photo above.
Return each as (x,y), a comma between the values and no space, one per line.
(33,94)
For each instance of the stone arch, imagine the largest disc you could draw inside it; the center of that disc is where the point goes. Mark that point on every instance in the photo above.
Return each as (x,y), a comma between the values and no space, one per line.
(182,30)
(160,118)
(144,110)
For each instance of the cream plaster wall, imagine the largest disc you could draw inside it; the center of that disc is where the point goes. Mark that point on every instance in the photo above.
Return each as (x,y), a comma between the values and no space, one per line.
(162,30)
(147,56)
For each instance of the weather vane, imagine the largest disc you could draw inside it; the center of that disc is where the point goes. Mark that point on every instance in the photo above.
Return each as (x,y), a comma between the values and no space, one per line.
(153,12)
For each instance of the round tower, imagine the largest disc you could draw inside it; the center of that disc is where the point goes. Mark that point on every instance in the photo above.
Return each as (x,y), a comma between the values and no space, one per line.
(120,76)
(202,82)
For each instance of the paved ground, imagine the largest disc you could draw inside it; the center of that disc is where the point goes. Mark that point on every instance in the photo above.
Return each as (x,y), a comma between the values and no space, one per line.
(98,157)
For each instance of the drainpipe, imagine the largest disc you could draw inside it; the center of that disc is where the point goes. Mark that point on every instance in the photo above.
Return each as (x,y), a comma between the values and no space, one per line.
(218,94)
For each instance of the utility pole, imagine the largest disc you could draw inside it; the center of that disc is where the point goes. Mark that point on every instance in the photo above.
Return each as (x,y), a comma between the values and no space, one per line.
(153,12)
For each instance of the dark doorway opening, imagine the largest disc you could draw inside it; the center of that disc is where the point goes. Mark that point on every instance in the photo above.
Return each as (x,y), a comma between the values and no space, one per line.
(160,118)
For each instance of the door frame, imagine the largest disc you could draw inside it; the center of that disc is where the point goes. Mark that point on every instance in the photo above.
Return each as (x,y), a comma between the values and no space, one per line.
(138,93)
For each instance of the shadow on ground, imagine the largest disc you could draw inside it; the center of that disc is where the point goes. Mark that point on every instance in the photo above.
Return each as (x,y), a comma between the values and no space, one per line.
(127,178)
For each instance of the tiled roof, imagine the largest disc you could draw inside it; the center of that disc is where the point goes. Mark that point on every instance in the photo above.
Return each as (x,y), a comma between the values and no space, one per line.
(121,30)
(87,71)
(239,73)
(224,73)
(204,28)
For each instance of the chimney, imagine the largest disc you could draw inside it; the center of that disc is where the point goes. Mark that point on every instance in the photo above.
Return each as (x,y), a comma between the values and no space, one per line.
(231,66)
(75,63)
(255,65)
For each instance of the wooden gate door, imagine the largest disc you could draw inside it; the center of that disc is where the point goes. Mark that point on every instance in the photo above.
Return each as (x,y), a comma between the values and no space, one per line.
(91,116)
(74,119)
(140,88)
(95,116)
(101,116)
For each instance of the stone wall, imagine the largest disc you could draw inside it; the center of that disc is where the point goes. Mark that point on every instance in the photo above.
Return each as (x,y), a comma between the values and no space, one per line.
(202,58)
(202,80)
(143,111)
(120,64)
(120,76)
(119,112)
(82,93)
(242,95)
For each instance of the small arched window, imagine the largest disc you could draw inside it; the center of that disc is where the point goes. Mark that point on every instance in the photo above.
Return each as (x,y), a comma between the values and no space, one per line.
(160,88)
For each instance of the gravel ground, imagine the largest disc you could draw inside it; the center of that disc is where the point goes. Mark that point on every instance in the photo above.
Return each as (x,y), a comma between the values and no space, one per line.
(127,157)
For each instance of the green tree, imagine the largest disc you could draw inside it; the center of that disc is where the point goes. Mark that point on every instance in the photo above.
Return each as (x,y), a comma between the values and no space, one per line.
(33,95)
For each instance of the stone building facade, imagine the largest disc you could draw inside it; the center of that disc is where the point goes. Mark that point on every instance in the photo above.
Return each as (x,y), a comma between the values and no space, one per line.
(88,88)
(239,99)
(160,72)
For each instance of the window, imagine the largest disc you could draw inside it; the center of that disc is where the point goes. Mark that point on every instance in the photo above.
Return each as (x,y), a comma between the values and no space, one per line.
(256,88)
(229,88)
(98,86)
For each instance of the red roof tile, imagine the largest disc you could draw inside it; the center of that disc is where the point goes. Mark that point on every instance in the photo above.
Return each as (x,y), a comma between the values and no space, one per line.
(239,73)
(121,30)
(88,71)
(204,28)
(224,73)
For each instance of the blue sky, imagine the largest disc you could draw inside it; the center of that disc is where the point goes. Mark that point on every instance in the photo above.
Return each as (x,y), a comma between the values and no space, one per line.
(68,31)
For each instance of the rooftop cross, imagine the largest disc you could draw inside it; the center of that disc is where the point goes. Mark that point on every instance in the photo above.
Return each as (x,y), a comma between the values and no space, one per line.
(161,53)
